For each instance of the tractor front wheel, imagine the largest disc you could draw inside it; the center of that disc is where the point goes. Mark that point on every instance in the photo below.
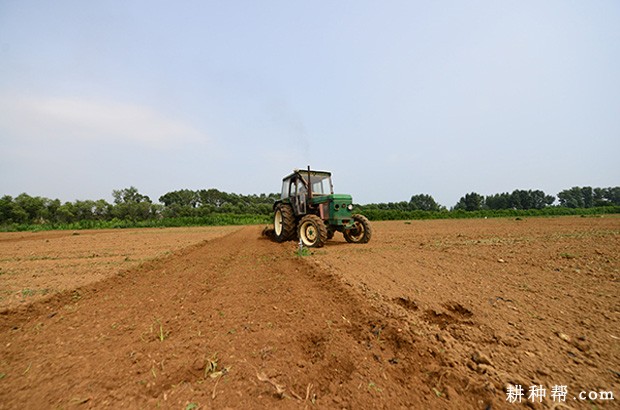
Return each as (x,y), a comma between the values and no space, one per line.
(330,233)
(362,231)
(312,231)
(284,223)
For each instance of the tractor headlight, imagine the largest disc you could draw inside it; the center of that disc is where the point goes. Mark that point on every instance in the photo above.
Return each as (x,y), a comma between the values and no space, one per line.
(350,207)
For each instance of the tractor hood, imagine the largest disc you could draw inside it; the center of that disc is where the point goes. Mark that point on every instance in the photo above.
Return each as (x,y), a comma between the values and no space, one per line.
(341,199)
(336,209)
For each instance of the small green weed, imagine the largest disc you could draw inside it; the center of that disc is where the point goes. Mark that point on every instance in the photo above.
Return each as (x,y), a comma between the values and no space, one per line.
(373,386)
(28,292)
(158,328)
(162,336)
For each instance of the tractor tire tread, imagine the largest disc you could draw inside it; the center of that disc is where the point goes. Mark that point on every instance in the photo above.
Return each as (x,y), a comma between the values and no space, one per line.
(289,226)
(367,230)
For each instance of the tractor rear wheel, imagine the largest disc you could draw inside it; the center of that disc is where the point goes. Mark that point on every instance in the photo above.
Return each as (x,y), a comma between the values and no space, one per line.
(362,231)
(312,231)
(284,223)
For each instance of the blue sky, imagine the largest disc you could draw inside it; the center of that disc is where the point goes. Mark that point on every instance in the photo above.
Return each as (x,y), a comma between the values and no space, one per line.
(395,97)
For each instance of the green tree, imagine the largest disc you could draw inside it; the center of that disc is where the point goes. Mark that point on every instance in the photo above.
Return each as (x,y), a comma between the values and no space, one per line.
(588,197)
(184,197)
(83,210)
(540,200)
(66,213)
(132,205)
(129,196)
(423,202)
(212,197)
(519,199)
(6,209)
(498,201)
(612,195)
(522,199)
(51,210)
(579,197)
(102,210)
(33,206)
(571,198)
(470,202)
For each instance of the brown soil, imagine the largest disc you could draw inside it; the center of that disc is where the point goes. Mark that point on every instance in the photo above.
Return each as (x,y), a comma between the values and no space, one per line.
(433,314)
(34,265)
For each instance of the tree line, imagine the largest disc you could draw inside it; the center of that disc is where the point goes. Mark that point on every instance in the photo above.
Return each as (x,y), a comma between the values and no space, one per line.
(576,197)
(130,205)
(573,201)
(214,207)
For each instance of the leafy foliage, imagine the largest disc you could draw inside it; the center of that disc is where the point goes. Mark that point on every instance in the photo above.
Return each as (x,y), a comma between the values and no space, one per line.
(419,202)
(133,209)
(396,215)
(586,197)
(213,207)
(519,199)
(423,202)
(470,202)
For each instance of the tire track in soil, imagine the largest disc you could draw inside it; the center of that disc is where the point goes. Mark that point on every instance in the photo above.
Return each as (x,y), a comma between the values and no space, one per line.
(288,333)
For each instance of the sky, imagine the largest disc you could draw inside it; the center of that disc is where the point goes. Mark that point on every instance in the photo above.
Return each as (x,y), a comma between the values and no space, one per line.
(396,98)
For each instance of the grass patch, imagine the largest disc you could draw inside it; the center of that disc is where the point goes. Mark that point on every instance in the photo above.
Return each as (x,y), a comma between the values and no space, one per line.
(28,292)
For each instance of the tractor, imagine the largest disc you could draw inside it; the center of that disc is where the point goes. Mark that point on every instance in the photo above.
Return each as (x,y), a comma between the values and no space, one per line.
(309,210)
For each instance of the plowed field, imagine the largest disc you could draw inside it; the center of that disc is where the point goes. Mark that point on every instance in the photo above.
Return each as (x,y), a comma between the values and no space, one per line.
(429,314)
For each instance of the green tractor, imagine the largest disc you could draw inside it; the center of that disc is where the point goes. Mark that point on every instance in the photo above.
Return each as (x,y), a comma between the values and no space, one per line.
(310,211)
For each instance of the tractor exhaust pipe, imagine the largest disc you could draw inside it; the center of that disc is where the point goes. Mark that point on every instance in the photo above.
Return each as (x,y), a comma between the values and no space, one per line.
(309,185)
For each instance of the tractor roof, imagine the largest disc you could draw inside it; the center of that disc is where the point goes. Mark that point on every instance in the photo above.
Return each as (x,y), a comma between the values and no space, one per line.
(304,172)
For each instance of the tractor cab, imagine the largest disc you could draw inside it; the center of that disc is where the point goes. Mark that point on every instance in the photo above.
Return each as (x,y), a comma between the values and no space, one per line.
(300,187)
